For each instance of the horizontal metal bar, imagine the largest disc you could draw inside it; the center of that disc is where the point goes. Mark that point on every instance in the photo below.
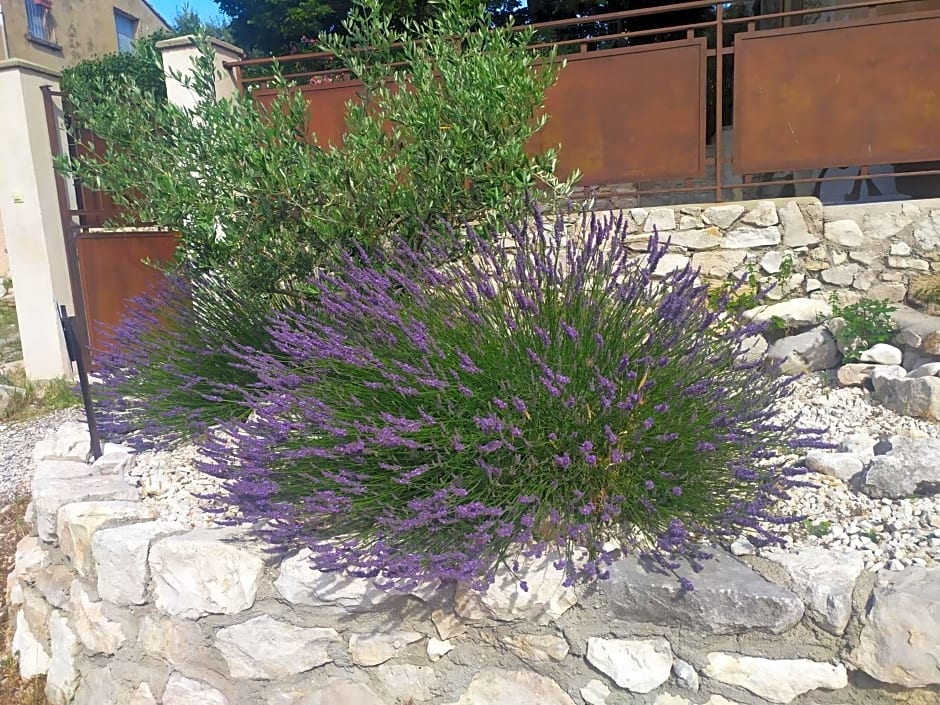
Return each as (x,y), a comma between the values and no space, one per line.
(604,18)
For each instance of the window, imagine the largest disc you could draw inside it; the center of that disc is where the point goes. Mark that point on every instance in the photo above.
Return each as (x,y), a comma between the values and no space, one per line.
(126,27)
(39,20)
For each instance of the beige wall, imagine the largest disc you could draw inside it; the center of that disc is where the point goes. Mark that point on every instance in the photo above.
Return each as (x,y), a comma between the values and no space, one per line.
(29,211)
(82,29)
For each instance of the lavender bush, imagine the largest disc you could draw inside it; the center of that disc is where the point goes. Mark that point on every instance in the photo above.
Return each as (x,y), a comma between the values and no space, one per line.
(544,393)
(165,371)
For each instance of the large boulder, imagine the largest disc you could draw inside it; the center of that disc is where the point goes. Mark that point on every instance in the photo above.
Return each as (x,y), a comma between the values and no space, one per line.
(905,467)
(899,641)
(728,598)
(910,396)
(806,352)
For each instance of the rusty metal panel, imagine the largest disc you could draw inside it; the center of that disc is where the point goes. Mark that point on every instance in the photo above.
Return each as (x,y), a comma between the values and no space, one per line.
(113,271)
(629,114)
(865,92)
(326,109)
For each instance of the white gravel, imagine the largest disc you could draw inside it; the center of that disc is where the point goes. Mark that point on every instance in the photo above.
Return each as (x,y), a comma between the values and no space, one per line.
(888,533)
(16,449)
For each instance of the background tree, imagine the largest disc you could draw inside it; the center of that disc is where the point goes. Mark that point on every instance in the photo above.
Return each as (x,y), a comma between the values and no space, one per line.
(188,21)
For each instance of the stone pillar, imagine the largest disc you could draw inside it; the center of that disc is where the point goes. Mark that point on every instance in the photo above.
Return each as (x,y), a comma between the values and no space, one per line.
(178,55)
(30,218)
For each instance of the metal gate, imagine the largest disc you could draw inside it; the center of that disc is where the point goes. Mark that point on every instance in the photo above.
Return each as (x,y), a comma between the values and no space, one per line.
(107,265)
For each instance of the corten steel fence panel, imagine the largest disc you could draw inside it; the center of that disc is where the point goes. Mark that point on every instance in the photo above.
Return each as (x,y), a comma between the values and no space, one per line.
(96,207)
(863,92)
(114,270)
(612,136)
(327,108)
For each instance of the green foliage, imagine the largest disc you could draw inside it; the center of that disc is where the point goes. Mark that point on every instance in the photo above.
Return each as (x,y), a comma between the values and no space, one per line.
(33,398)
(167,371)
(253,198)
(746,293)
(239,184)
(96,79)
(817,528)
(451,147)
(865,323)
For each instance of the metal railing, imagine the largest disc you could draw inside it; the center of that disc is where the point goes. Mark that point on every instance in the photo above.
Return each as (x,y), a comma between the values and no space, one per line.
(751,139)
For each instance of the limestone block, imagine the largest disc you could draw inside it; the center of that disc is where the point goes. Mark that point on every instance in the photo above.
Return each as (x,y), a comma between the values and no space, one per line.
(77,522)
(776,680)
(206,571)
(495,686)
(52,493)
(267,649)
(120,557)
(639,665)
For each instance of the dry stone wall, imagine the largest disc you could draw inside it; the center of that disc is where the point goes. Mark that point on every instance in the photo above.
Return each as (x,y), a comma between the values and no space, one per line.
(118,606)
(872,250)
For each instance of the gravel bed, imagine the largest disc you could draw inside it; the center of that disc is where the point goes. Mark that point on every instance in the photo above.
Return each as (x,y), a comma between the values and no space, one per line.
(16,448)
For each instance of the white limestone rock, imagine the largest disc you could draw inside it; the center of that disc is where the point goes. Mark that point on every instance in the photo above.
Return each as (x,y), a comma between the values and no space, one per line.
(537,648)
(811,351)
(62,676)
(795,232)
(729,597)
(639,665)
(844,232)
(70,442)
(776,680)
(661,219)
(496,686)
(882,354)
(929,369)
(378,647)
(116,460)
(670,263)
(854,374)
(438,648)
(720,264)
(723,216)
(746,236)
(696,239)
(143,696)
(595,692)
(406,682)
(447,624)
(844,466)
(505,600)
(762,215)
(181,690)
(824,579)
(77,522)
(206,571)
(795,313)
(686,675)
(97,632)
(31,653)
(49,494)
(264,648)
(300,583)
(120,557)
(899,641)
(842,275)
